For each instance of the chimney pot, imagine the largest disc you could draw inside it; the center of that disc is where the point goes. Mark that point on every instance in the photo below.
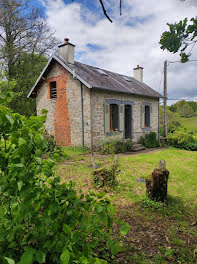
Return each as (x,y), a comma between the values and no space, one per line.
(138,66)
(66,40)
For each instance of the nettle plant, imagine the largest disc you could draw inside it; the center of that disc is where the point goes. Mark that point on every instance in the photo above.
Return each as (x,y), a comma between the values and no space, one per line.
(42,220)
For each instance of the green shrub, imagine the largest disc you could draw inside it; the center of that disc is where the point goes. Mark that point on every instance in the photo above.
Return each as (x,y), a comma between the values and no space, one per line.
(53,150)
(129,145)
(114,144)
(42,220)
(182,139)
(173,126)
(150,140)
(106,175)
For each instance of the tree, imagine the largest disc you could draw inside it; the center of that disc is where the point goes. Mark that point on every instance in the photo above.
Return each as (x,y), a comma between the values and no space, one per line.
(26,72)
(186,110)
(22,29)
(183,108)
(193,105)
(25,40)
(181,37)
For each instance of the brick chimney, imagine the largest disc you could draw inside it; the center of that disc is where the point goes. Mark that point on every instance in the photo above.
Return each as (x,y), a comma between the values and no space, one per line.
(67,51)
(138,73)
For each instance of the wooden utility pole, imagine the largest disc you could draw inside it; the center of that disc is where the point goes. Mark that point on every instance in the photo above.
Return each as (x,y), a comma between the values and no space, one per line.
(165,101)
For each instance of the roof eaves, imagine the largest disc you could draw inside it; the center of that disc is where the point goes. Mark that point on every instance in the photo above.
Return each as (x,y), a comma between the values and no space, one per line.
(32,89)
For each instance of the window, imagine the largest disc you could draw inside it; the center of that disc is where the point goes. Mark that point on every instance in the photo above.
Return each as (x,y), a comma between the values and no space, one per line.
(113,117)
(126,78)
(53,90)
(147,116)
(101,71)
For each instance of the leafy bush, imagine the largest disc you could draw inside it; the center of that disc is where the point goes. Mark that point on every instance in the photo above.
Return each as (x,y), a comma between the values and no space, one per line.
(114,144)
(173,126)
(129,145)
(54,150)
(180,138)
(150,140)
(42,220)
(106,176)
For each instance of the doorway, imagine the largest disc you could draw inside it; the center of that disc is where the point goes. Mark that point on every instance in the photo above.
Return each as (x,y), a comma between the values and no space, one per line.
(128,123)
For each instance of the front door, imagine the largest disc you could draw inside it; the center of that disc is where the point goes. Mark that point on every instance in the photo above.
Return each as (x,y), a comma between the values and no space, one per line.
(128,124)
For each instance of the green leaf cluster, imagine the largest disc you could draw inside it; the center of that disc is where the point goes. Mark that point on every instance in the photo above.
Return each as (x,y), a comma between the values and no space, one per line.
(180,138)
(150,140)
(180,37)
(42,220)
(184,108)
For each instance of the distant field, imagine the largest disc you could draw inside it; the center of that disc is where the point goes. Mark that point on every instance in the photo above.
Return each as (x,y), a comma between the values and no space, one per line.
(190,123)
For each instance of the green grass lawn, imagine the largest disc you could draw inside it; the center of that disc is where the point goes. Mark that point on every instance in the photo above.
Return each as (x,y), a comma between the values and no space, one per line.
(190,123)
(159,233)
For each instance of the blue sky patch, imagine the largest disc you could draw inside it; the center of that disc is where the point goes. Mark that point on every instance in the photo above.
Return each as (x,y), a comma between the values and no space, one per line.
(94,47)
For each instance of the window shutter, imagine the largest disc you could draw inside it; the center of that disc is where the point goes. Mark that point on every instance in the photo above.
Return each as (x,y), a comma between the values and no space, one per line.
(151,115)
(143,116)
(121,117)
(107,117)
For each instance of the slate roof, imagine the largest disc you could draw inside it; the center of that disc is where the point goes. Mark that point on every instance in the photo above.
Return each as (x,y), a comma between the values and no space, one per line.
(93,78)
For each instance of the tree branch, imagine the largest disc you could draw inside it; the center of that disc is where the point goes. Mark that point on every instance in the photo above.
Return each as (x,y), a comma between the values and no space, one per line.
(104,11)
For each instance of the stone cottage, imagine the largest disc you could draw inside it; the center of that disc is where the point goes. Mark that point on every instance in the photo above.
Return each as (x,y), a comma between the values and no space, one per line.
(86,104)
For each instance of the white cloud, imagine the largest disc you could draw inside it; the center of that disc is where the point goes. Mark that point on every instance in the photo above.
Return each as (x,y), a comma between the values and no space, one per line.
(130,40)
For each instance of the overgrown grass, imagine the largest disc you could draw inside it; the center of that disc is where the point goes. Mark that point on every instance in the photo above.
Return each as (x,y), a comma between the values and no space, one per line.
(75,152)
(163,232)
(181,164)
(182,180)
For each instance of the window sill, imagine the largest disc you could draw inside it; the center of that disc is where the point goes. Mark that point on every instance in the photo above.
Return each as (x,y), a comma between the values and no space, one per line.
(146,128)
(113,133)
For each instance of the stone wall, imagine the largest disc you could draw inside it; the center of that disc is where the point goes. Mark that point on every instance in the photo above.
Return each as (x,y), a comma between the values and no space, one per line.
(74,106)
(98,99)
(64,113)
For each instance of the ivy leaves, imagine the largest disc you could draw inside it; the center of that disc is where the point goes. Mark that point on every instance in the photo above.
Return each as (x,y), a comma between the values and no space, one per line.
(180,37)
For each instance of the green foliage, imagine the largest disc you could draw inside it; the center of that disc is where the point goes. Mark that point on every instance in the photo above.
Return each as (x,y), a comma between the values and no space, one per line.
(150,140)
(106,175)
(179,37)
(6,91)
(184,109)
(53,150)
(193,105)
(180,138)
(129,145)
(26,71)
(173,126)
(172,118)
(42,220)
(114,144)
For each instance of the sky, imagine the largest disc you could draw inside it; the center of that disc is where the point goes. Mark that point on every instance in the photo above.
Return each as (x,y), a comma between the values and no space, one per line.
(132,39)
